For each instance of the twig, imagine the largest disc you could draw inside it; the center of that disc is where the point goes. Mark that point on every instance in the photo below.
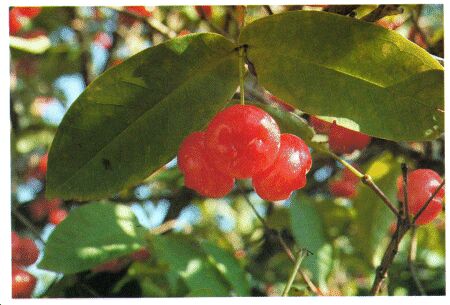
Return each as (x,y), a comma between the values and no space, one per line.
(164,227)
(341,9)
(298,261)
(412,259)
(382,11)
(27,224)
(283,244)
(405,192)
(389,254)
(428,202)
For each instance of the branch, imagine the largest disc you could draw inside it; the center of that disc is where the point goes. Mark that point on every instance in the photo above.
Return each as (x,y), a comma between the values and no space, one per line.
(382,11)
(428,202)
(341,9)
(405,192)
(283,244)
(298,261)
(412,259)
(268,9)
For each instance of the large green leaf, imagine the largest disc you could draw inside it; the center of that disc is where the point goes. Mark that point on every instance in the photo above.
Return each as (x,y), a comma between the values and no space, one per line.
(90,235)
(327,64)
(131,120)
(373,218)
(308,231)
(229,267)
(187,261)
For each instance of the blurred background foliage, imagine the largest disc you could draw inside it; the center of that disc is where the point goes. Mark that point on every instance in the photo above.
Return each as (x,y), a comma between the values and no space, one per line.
(221,242)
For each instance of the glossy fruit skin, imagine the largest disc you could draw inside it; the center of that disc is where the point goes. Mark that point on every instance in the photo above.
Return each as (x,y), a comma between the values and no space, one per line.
(57,216)
(14,23)
(23,283)
(139,10)
(344,141)
(204,11)
(320,126)
(422,183)
(287,173)
(29,12)
(242,140)
(199,174)
(24,251)
(342,188)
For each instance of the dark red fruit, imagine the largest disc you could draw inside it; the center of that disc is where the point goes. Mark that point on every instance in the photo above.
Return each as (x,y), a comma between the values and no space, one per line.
(140,255)
(320,126)
(204,11)
(113,266)
(56,216)
(342,188)
(42,166)
(29,12)
(15,242)
(344,141)
(14,23)
(24,251)
(287,173)
(422,183)
(347,175)
(242,140)
(139,10)
(199,174)
(38,210)
(23,283)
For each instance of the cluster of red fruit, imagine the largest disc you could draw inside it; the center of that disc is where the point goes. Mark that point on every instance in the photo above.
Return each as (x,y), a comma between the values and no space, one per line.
(240,142)
(24,253)
(16,15)
(340,139)
(51,210)
(345,186)
(422,183)
(117,264)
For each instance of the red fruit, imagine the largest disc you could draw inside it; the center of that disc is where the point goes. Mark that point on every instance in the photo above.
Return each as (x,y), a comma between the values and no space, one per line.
(23,283)
(53,204)
(200,175)
(344,141)
(25,252)
(139,10)
(204,11)
(113,266)
(38,210)
(29,12)
(347,175)
(14,23)
(287,173)
(56,216)
(42,166)
(342,188)
(184,33)
(103,39)
(140,255)
(242,140)
(15,242)
(319,125)
(422,183)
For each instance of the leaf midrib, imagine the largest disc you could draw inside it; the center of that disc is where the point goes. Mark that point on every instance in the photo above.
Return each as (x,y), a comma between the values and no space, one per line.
(118,135)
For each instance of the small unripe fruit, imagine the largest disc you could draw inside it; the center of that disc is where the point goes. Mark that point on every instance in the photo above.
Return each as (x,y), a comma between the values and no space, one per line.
(344,141)
(287,173)
(242,140)
(422,183)
(23,283)
(199,173)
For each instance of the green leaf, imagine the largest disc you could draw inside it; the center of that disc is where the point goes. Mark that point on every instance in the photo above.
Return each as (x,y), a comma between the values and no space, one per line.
(229,267)
(90,235)
(373,218)
(186,260)
(332,65)
(308,231)
(130,121)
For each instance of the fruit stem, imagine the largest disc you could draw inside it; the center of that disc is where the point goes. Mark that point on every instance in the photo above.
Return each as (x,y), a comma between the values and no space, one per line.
(241,74)
(356,172)
(425,205)
(298,262)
